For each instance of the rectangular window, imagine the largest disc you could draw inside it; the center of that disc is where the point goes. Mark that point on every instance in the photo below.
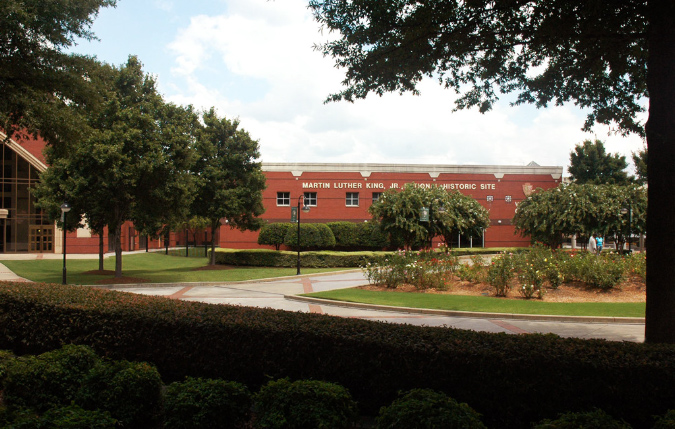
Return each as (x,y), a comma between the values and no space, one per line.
(352,199)
(283,199)
(310,199)
(376,196)
(490,198)
(507,198)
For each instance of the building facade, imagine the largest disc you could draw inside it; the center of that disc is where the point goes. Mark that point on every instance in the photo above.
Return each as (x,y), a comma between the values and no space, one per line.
(334,192)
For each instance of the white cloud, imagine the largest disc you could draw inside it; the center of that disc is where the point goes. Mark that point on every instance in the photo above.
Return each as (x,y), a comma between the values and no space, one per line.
(256,62)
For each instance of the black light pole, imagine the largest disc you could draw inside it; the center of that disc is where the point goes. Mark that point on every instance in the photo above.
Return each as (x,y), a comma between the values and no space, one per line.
(65,208)
(305,208)
(630,224)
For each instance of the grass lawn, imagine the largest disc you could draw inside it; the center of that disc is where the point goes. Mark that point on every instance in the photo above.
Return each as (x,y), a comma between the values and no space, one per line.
(153,267)
(484,304)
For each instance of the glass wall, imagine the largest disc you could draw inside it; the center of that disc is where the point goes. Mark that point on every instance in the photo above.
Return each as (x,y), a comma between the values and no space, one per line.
(25,229)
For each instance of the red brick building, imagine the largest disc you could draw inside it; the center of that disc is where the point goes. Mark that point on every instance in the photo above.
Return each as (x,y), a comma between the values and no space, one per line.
(335,192)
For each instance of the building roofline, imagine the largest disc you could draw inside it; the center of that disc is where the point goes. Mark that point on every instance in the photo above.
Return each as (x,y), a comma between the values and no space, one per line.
(21,151)
(432,169)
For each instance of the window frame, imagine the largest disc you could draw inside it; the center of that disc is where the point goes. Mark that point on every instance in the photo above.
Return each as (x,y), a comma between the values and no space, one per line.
(285,198)
(351,198)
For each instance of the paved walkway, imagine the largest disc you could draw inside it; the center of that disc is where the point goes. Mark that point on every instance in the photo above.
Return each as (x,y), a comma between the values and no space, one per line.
(281,293)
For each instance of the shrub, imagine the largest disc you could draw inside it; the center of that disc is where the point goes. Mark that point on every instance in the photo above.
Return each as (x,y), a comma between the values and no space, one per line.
(603,272)
(49,380)
(596,419)
(500,272)
(475,271)
(327,237)
(70,417)
(345,233)
(304,404)
(206,404)
(666,421)
(273,234)
(312,236)
(425,408)
(131,391)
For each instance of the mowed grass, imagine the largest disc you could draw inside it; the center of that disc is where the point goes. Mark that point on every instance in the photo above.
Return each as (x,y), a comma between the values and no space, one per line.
(484,304)
(153,267)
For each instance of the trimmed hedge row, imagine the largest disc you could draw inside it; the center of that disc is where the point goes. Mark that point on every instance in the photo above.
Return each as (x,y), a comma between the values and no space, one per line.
(511,380)
(281,258)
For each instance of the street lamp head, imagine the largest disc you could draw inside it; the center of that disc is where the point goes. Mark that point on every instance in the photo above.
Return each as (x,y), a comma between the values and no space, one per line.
(65,207)
(624,211)
(305,208)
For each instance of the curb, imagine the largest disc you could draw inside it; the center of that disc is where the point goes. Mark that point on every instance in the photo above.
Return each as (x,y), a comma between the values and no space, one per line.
(472,314)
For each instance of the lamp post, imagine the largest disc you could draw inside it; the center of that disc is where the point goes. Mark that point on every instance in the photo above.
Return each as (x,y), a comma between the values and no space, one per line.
(305,208)
(630,224)
(65,208)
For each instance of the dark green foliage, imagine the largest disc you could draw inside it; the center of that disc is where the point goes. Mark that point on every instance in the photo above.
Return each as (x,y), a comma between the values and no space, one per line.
(596,419)
(70,417)
(590,164)
(427,409)
(272,258)
(345,234)
(198,403)
(358,235)
(273,234)
(312,236)
(666,421)
(304,404)
(49,380)
(131,391)
(511,380)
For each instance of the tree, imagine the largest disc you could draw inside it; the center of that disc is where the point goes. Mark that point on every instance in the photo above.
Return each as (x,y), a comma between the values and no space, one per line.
(590,164)
(42,86)
(273,234)
(607,57)
(399,214)
(640,162)
(229,176)
(572,209)
(133,164)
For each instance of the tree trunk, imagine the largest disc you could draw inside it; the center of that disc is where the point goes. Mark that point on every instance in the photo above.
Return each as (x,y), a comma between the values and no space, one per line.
(215,224)
(660,313)
(100,251)
(118,251)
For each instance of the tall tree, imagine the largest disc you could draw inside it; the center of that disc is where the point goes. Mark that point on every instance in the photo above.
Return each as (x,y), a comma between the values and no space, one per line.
(605,56)
(40,84)
(230,180)
(640,162)
(589,163)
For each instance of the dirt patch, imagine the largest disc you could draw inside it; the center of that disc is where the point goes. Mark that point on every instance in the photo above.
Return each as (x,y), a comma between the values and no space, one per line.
(213,267)
(100,272)
(632,290)
(121,280)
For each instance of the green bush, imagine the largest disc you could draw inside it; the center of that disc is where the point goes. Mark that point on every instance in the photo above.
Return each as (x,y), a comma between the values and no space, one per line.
(370,236)
(425,408)
(312,236)
(666,421)
(304,404)
(199,403)
(131,391)
(346,235)
(49,380)
(500,272)
(70,417)
(273,234)
(310,259)
(596,419)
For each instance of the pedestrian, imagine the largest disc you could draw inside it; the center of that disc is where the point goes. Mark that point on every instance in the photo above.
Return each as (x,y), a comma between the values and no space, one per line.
(598,244)
(591,244)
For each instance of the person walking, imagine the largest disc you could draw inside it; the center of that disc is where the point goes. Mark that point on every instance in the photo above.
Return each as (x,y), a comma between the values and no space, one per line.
(592,244)
(598,244)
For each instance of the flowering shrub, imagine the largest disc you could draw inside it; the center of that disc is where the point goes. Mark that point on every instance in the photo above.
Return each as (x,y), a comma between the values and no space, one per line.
(602,272)
(424,270)
(636,264)
(500,272)
(474,272)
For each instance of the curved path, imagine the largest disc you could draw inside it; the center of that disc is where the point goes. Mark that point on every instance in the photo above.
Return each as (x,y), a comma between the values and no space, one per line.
(281,294)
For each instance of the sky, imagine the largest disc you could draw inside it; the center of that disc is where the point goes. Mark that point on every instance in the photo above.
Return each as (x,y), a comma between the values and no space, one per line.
(254,60)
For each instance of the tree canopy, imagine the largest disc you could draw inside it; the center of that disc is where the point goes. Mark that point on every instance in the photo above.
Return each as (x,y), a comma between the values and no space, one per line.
(41,85)
(450,213)
(640,162)
(604,56)
(589,163)
(229,176)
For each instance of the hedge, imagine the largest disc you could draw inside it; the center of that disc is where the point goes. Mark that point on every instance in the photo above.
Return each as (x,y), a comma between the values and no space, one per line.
(511,380)
(273,258)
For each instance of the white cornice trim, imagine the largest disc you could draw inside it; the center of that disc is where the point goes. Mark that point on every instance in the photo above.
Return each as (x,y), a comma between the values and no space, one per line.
(23,153)
(432,170)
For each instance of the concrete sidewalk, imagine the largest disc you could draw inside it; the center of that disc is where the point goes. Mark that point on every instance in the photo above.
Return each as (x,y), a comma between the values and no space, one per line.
(282,294)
